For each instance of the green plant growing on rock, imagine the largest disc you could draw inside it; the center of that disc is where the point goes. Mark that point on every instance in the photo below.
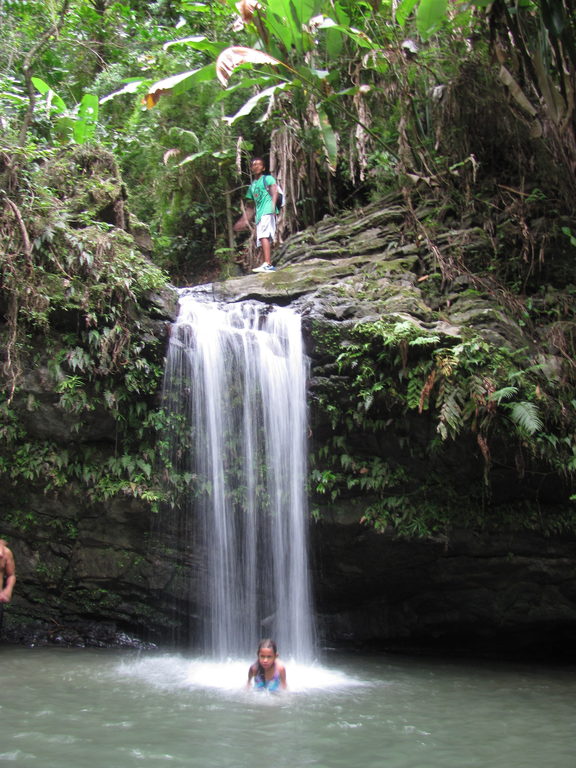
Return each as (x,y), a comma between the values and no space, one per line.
(80,303)
(397,370)
(79,124)
(466,383)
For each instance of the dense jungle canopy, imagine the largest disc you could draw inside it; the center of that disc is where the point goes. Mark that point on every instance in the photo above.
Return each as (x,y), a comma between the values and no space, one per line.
(127,129)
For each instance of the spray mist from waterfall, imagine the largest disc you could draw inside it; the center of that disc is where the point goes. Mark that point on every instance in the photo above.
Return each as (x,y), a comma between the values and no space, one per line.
(237,375)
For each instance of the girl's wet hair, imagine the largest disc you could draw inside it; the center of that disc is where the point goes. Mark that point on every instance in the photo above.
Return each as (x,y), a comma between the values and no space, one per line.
(267,643)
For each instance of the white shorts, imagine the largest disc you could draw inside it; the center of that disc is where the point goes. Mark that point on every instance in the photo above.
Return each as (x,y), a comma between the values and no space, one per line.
(266,227)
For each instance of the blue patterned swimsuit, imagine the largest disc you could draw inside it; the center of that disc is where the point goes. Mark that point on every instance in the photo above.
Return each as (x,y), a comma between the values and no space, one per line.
(261,684)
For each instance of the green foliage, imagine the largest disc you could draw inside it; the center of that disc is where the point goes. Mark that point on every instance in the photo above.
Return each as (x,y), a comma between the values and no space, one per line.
(470,389)
(349,100)
(366,96)
(79,124)
(86,470)
(79,298)
(570,235)
(430,15)
(465,383)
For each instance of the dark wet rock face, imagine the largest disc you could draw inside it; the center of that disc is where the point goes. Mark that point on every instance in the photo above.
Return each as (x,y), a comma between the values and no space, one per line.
(92,577)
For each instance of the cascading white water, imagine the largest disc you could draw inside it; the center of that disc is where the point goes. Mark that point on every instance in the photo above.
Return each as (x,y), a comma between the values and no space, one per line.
(239,373)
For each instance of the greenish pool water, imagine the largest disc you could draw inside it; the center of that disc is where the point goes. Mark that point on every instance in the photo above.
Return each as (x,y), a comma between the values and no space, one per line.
(101,709)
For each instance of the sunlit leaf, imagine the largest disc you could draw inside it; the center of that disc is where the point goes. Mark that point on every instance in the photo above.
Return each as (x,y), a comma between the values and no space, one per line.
(191,158)
(179,83)
(233,57)
(195,7)
(251,103)
(85,124)
(53,100)
(131,87)
(329,139)
(429,16)
(404,10)
(359,37)
(198,42)
(13,97)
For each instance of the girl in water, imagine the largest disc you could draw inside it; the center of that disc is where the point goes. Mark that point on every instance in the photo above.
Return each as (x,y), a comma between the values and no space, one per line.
(267,671)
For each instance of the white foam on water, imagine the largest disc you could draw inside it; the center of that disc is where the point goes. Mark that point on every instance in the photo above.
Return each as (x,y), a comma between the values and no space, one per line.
(230,676)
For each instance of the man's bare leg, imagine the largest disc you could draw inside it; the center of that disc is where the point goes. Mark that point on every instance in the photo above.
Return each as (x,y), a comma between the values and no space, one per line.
(266,249)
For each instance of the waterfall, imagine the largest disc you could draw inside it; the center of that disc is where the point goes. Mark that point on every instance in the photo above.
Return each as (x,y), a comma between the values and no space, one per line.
(237,374)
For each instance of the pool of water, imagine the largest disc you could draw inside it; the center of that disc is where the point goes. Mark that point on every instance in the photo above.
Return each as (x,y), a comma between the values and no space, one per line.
(102,709)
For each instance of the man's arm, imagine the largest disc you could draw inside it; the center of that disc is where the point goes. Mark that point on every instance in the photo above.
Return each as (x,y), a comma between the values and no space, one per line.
(273,190)
(244,220)
(9,578)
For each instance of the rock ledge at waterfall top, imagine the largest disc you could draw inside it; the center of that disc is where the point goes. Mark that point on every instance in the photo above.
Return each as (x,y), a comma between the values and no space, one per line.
(354,269)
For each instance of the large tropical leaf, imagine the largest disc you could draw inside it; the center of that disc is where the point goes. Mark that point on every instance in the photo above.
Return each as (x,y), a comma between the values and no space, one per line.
(329,140)
(404,10)
(130,87)
(246,108)
(429,16)
(287,21)
(53,101)
(283,26)
(179,83)
(85,123)
(233,57)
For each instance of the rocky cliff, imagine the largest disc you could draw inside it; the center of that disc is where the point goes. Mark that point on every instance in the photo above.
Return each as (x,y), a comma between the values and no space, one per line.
(476,552)
(438,517)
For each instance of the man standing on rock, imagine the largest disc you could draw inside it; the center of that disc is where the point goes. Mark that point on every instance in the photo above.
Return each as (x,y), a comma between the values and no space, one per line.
(7,577)
(263,197)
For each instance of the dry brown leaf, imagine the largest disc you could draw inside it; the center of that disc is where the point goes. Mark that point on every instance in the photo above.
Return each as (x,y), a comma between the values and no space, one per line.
(516,92)
(151,99)
(246,9)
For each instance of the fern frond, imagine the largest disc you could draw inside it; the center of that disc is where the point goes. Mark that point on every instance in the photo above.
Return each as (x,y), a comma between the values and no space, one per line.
(526,416)
(521,374)
(451,420)
(506,393)
(476,387)
(421,341)
(413,389)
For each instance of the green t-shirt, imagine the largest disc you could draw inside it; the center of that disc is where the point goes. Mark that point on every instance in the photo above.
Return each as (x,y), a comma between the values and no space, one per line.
(258,192)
